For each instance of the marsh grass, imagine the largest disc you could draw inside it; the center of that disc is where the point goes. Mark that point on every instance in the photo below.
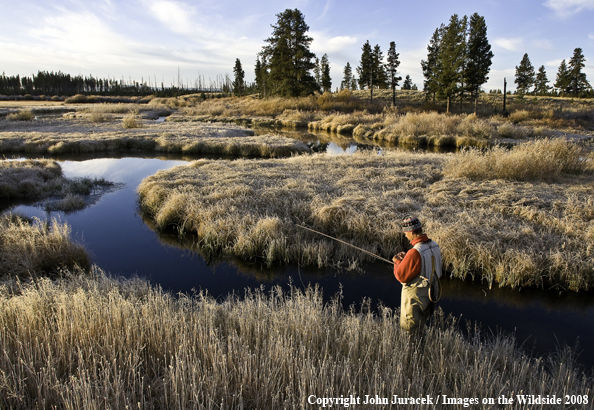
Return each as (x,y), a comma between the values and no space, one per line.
(22,115)
(33,247)
(97,342)
(343,101)
(544,159)
(430,129)
(131,121)
(189,138)
(528,230)
(40,179)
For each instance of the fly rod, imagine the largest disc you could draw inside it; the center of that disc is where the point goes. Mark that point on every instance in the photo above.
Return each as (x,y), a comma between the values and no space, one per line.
(346,243)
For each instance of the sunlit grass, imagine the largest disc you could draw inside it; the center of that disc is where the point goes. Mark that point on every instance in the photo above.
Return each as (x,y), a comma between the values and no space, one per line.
(96,342)
(33,247)
(22,115)
(184,137)
(525,229)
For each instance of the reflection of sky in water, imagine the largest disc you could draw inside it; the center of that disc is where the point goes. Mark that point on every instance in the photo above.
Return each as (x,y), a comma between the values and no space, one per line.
(120,243)
(334,149)
(127,170)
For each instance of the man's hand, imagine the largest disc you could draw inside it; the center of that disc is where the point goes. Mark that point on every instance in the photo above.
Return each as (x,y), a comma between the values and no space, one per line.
(399,257)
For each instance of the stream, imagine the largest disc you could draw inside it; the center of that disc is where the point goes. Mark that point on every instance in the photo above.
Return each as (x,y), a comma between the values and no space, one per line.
(122,244)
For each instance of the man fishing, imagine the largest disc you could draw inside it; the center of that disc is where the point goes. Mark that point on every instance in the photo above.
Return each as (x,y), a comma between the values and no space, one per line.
(419,271)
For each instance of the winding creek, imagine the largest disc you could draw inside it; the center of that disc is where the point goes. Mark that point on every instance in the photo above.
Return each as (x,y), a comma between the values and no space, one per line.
(121,243)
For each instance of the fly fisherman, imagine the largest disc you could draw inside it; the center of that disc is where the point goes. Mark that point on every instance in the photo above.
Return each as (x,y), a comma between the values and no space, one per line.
(416,270)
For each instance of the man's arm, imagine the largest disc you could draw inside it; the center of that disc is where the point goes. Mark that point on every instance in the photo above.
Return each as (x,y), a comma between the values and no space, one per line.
(408,266)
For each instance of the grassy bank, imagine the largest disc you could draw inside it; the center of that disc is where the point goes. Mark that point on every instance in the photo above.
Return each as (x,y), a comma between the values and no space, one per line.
(529,225)
(412,121)
(95,342)
(129,132)
(40,179)
(33,248)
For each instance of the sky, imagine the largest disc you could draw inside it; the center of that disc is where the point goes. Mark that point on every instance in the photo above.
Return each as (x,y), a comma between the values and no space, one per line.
(161,40)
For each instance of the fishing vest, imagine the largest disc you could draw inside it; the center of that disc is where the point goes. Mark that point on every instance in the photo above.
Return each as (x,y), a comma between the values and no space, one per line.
(427,250)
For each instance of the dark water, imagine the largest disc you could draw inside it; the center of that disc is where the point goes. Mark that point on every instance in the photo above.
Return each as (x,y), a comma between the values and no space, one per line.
(121,243)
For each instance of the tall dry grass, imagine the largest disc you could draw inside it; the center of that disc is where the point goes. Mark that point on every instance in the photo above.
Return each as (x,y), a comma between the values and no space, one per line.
(530,232)
(343,101)
(429,128)
(546,159)
(96,342)
(21,115)
(32,248)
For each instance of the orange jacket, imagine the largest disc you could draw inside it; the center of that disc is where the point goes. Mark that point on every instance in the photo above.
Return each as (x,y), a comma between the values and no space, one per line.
(409,267)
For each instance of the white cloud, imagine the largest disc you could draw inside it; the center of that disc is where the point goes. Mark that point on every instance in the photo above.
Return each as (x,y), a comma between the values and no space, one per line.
(78,34)
(566,8)
(511,44)
(323,44)
(326,9)
(177,17)
(591,36)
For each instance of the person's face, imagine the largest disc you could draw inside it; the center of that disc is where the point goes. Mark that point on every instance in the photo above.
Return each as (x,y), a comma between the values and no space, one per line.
(408,235)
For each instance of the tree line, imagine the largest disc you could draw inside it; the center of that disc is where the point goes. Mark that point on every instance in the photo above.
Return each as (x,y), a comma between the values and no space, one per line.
(458,63)
(570,79)
(57,83)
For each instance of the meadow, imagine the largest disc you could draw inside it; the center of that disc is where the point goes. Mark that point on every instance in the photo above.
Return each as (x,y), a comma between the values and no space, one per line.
(516,218)
(414,120)
(72,336)
(126,127)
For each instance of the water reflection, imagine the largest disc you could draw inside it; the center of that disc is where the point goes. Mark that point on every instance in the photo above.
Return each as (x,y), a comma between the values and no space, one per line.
(337,144)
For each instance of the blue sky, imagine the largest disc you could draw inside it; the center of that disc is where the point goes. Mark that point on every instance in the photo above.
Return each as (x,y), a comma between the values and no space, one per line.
(142,39)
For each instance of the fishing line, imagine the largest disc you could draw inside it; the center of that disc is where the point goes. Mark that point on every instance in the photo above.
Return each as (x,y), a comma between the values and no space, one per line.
(348,244)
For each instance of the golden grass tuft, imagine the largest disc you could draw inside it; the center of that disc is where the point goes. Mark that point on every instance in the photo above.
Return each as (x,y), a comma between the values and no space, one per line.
(539,159)
(131,121)
(22,115)
(97,342)
(31,248)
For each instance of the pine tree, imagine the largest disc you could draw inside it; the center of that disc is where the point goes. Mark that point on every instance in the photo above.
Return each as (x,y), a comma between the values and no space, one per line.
(541,86)
(326,80)
(431,67)
(407,85)
(239,79)
(365,70)
(289,56)
(354,83)
(261,76)
(392,69)
(381,77)
(563,79)
(452,50)
(347,79)
(524,75)
(479,56)
(577,80)
(317,70)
